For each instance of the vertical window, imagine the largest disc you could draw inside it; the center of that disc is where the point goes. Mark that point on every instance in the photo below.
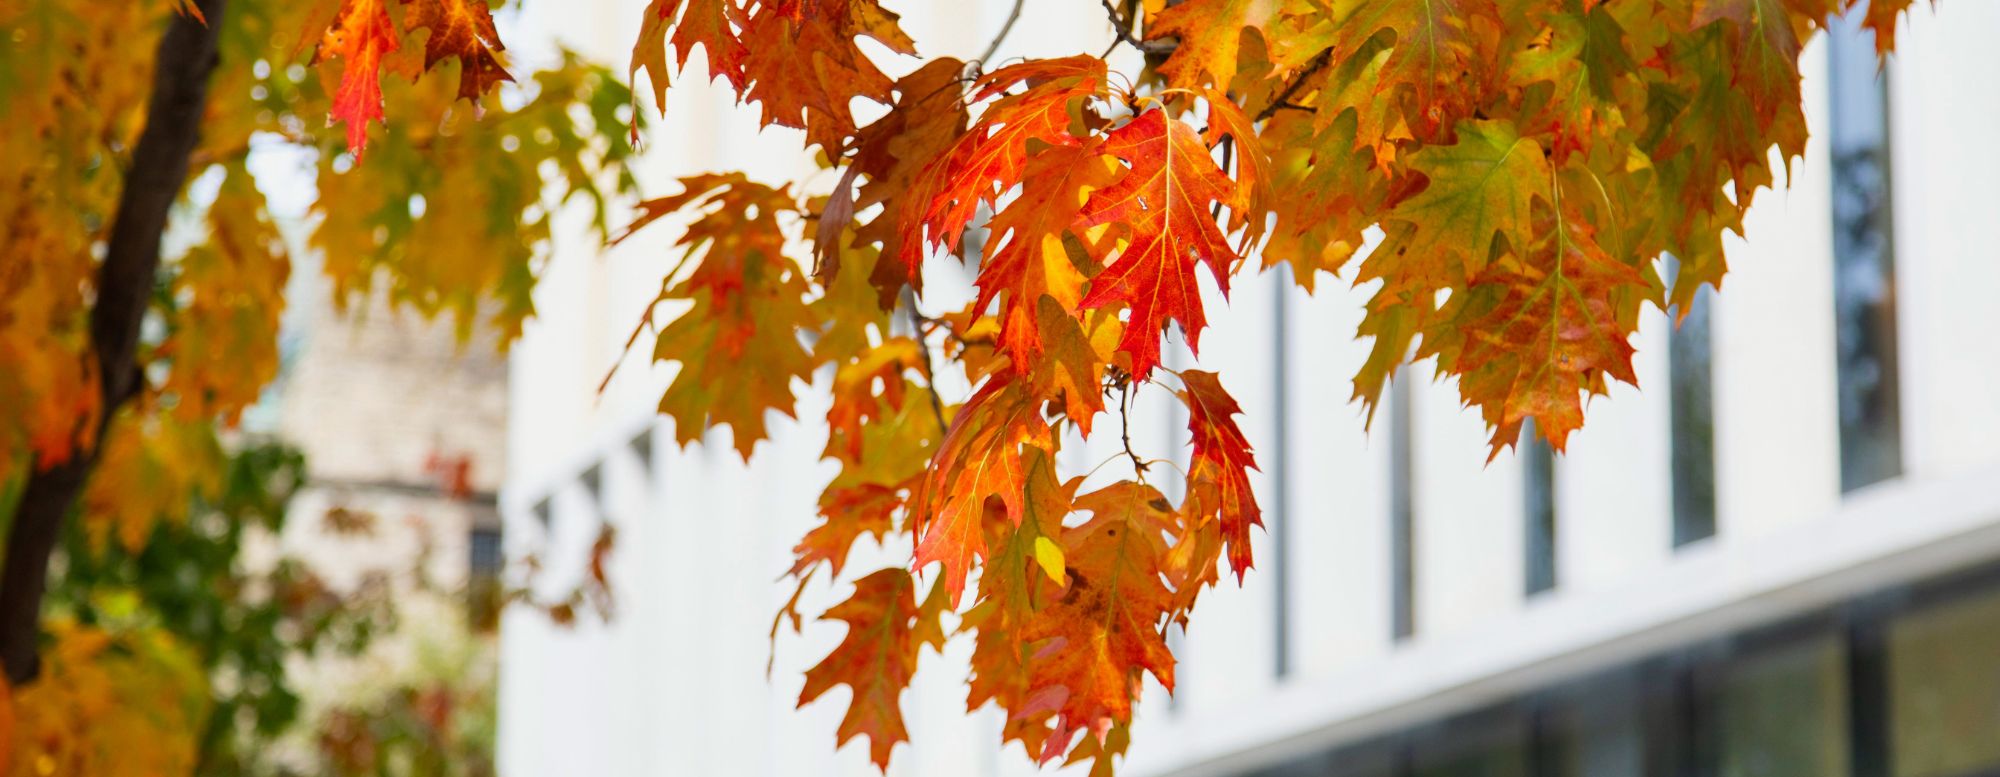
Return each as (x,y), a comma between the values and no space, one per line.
(484,597)
(484,550)
(1538,475)
(1864,288)
(1402,550)
(1691,421)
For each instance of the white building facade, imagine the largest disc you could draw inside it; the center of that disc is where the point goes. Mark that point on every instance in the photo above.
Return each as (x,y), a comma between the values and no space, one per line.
(1781,557)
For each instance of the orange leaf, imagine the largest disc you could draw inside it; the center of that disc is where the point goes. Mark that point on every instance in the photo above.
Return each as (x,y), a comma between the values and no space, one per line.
(1025,257)
(988,159)
(362,34)
(981,457)
(1095,640)
(1219,470)
(885,631)
(1163,202)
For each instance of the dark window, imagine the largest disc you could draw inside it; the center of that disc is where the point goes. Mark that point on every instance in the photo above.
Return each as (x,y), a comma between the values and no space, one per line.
(1943,679)
(1402,542)
(1591,728)
(1538,490)
(1864,286)
(1783,712)
(1901,682)
(1691,422)
(485,552)
(1490,743)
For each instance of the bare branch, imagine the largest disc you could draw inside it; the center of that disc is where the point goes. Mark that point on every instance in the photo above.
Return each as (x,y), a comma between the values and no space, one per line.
(1007,27)
(1123,27)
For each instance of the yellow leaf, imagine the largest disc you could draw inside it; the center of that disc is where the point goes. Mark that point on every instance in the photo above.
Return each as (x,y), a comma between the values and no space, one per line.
(1050,556)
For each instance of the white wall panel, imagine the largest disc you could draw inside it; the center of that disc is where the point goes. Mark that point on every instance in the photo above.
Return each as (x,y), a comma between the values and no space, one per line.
(1777,444)
(1614,502)
(1946,178)
(1339,488)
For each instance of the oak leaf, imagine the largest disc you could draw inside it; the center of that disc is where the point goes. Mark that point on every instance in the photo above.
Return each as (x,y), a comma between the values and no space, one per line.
(1218,482)
(885,631)
(1163,203)
(361,34)
(1093,643)
(981,457)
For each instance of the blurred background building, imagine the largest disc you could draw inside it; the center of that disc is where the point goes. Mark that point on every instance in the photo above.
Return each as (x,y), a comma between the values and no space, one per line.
(404,428)
(1782,557)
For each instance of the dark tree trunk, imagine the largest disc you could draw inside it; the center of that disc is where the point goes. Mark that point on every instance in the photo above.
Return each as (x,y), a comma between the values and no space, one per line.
(187,55)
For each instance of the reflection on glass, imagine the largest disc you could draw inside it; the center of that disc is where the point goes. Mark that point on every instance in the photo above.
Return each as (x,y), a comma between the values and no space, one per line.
(1594,729)
(1691,403)
(1402,536)
(1944,690)
(1783,712)
(1538,489)
(1864,288)
(1486,744)
(1374,759)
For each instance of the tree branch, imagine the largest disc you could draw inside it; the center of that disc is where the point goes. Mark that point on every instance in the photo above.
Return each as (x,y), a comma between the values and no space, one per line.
(186,56)
(1283,100)
(1123,27)
(1007,27)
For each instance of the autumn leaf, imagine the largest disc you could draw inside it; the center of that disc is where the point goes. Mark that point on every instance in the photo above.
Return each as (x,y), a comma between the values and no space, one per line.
(981,457)
(1218,481)
(1163,202)
(1014,589)
(1026,258)
(1881,20)
(1478,189)
(361,35)
(989,158)
(885,630)
(1106,629)
(1250,206)
(1208,35)
(1072,361)
(1441,56)
(928,116)
(1546,332)
(737,346)
(461,29)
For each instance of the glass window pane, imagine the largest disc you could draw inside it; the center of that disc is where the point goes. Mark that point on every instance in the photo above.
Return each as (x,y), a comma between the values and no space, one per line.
(1593,729)
(1402,531)
(1944,690)
(1864,285)
(1783,712)
(1538,489)
(1691,401)
(1487,744)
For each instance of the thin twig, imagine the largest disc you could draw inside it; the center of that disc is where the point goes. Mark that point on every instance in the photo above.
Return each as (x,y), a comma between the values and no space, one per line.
(1283,99)
(924,347)
(1123,27)
(1139,465)
(1007,27)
